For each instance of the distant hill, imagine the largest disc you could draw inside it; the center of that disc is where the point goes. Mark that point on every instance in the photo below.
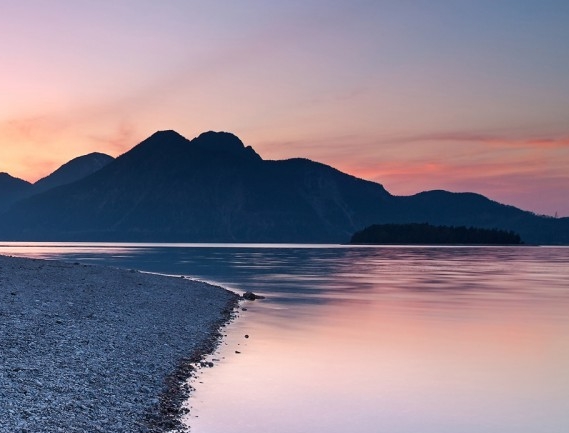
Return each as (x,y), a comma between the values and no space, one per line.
(470,209)
(427,234)
(215,189)
(72,171)
(11,190)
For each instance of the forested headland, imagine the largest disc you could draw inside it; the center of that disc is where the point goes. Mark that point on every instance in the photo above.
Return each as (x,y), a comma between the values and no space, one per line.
(427,234)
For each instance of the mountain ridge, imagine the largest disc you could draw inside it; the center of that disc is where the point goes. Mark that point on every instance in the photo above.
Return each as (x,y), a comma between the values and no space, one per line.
(213,188)
(73,170)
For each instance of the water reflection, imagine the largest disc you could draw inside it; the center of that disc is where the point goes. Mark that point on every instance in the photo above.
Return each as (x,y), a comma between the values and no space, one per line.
(367,340)
(291,274)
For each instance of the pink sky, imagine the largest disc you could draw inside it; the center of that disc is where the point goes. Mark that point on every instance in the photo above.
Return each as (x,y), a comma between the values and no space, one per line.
(414,95)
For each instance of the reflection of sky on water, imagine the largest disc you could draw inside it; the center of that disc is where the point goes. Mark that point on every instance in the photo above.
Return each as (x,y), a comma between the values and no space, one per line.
(367,340)
(403,364)
(291,274)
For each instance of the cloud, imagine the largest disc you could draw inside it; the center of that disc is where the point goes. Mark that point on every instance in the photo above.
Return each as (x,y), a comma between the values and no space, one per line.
(37,129)
(482,138)
(124,137)
(33,146)
(532,184)
(549,142)
(30,145)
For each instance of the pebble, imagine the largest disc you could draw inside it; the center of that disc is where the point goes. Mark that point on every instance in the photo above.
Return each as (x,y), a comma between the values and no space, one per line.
(88,348)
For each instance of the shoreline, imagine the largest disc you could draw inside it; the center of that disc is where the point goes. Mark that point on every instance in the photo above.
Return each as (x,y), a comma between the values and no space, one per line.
(167,417)
(98,349)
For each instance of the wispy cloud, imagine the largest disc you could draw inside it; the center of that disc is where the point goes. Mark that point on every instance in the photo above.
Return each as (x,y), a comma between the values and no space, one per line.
(33,146)
(124,137)
(483,138)
(530,183)
(38,129)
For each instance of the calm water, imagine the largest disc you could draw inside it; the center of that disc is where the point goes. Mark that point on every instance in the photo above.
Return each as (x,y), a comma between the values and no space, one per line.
(379,339)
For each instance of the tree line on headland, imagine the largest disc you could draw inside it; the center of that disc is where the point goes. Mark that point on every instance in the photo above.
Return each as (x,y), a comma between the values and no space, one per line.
(425,234)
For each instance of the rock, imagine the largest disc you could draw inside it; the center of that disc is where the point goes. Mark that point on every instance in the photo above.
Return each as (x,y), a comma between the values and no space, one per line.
(250,296)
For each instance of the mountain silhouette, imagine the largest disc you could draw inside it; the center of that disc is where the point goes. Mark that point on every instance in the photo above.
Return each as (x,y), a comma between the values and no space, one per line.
(72,171)
(215,189)
(11,190)
(470,209)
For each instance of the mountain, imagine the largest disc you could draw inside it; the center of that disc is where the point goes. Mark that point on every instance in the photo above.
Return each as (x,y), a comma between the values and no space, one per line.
(211,188)
(215,189)
(470,209)
(11,190)
(72,171)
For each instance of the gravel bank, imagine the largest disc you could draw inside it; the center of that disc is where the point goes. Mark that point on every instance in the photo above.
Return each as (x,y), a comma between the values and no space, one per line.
(94,349)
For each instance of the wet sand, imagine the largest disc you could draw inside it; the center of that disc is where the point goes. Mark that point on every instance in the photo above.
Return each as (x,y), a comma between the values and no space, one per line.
(94,349)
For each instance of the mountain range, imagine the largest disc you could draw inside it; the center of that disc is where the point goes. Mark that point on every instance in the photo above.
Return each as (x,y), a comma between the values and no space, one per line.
(215,189)
(13,189)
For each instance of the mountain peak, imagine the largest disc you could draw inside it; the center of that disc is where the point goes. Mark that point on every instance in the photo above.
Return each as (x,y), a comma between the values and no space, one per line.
(71,171)
(224,142)
(158,143)
(219,141)
(167,134)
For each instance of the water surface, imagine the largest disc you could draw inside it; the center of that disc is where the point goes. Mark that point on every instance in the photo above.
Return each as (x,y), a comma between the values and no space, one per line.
(378,339)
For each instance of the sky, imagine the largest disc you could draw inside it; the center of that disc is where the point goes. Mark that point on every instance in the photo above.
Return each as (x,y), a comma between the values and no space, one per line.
(461,95)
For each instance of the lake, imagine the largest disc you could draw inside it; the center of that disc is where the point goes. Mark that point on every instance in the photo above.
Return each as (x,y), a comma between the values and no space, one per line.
(373,339)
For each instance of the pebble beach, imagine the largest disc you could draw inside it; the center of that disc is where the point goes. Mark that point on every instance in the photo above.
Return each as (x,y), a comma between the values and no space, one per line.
(95,349)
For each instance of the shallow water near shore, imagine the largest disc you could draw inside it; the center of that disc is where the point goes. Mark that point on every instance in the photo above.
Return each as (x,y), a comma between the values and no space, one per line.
(373,339)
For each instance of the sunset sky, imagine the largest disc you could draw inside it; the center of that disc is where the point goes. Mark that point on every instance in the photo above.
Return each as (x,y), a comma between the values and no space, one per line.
(459,95)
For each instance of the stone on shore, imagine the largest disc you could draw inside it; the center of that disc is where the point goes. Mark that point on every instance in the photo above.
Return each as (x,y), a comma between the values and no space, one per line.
(250,296)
